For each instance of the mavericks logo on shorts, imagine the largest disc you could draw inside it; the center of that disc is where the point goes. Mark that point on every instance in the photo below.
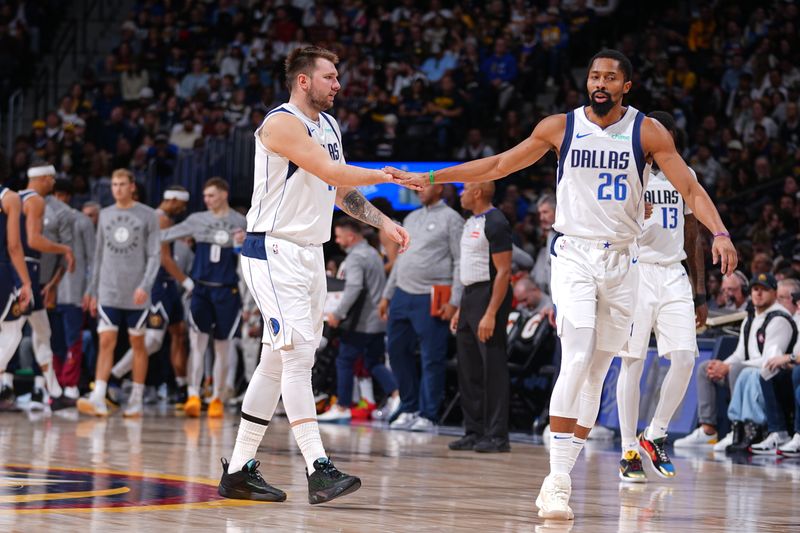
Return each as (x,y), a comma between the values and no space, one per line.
(155,321)
(275,325)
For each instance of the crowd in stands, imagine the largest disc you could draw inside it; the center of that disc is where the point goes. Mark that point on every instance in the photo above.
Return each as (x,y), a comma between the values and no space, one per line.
(450,80)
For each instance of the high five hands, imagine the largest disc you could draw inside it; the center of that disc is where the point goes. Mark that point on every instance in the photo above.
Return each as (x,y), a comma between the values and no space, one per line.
(416,181)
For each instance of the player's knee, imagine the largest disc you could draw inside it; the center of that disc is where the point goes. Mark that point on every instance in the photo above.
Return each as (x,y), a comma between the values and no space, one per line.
(682,360)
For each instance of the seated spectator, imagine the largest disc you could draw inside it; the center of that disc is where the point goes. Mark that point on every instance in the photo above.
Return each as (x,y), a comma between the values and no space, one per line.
(733,292)
(132,81)
(757,338)
(500,71)
(780,379)
(529,296)
(193,81)
(186,134)
(474,147)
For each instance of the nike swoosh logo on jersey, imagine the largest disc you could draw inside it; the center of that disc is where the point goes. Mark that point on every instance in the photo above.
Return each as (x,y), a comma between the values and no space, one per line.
(635,261)
(579,136)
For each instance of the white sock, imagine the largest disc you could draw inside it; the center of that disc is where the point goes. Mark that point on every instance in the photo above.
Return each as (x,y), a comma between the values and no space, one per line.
(310,443)
(630,446)
(38,383)
(50,380)
(100,388)
(8,379)
(137,391)
(196,363)
(180,381)
(221,355)
(560,452)
(124,365)
(575,450)
(630,374)
(248,440)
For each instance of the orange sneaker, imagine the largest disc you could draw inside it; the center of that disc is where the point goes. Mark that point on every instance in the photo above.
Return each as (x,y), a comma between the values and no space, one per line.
(216,409)
(192,406)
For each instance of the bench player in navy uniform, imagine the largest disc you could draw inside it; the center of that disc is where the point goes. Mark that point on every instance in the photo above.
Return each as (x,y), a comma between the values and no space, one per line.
(216,305)
(12,300)
(41,180)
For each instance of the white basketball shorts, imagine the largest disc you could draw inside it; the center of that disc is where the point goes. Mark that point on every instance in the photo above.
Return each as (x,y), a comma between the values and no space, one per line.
(288,284)
(664,303)
(593,285)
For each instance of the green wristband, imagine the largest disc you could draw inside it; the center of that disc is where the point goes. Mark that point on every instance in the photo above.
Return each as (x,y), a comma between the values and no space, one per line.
(430,176)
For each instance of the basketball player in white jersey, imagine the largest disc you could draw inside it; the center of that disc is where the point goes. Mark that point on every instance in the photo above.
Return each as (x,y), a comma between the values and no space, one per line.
(664,302)
(602,175)
(300,173)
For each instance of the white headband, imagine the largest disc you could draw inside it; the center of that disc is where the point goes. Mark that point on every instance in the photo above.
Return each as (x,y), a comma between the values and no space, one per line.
(37,172)
(183,196)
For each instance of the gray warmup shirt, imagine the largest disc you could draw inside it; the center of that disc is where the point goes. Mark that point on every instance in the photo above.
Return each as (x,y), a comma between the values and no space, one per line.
(74,284)
(363,268)
(56,226)
(215,261)
(127,255)
(433,256)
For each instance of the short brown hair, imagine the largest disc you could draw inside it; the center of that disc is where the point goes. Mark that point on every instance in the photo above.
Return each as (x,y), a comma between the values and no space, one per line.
(304,60)
(124,172)
(217,182)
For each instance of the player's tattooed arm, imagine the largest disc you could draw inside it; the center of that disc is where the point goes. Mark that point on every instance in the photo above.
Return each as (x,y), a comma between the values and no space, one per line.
(357,206)
(354,204)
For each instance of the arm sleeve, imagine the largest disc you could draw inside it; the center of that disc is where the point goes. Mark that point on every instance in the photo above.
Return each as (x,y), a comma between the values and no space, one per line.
(391,283)
(94,279)
(87,238)
(153,254)
(178,231)
(738,353)
(454,238)
(521,259)
(353,283)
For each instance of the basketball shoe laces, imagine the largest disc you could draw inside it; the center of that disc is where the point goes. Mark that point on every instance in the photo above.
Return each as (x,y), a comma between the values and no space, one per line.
(331,471)
(254,474)
(660,451)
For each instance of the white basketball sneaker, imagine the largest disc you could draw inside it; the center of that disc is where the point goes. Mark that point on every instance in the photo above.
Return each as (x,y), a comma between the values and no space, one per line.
(770,445)
(698,437)
(134,410)
(724,443)
(553,499)
(791,448)
(90,406)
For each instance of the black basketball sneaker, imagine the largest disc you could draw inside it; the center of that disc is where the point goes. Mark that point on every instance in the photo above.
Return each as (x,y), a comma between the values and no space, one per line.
(327,482)
(247,484)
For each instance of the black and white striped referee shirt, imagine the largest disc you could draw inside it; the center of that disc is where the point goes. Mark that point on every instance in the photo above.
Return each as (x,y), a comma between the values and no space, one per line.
(484,234)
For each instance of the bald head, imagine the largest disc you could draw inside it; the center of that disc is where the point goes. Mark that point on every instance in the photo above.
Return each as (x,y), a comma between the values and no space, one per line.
(476,197)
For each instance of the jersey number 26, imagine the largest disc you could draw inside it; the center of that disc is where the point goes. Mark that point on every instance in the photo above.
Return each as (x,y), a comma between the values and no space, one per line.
(617,183)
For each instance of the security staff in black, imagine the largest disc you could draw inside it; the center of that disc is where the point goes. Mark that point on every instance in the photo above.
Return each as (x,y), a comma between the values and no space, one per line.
(480,323)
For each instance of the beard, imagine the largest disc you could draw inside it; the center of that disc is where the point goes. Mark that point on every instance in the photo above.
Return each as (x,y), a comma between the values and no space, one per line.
(319,101)
(602,109)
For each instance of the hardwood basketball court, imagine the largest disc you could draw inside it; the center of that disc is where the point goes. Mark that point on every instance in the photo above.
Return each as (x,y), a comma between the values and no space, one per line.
(160,473)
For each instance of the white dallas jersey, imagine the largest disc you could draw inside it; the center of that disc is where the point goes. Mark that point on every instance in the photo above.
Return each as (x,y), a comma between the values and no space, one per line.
(288,202)
(662,237)
(602,175)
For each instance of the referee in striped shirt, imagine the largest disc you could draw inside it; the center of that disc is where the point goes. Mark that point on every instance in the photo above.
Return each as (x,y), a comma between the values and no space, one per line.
(480,323)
